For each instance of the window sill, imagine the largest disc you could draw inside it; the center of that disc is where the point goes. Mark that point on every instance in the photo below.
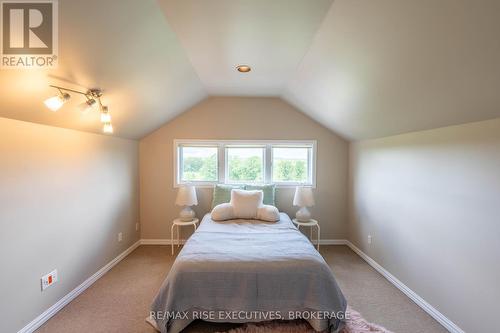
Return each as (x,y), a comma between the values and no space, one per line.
(211,185)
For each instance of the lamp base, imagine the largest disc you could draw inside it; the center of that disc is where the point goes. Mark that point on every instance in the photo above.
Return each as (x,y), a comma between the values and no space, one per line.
(187,214)
(303,214)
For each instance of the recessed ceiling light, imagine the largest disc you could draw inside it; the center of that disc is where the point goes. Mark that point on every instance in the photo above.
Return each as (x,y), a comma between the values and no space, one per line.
(243,68)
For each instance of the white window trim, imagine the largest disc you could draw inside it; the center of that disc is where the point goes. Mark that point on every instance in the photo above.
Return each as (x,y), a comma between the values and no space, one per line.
(222,166)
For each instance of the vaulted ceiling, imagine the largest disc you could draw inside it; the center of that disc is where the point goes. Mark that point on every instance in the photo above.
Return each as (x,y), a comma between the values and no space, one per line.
(362,68)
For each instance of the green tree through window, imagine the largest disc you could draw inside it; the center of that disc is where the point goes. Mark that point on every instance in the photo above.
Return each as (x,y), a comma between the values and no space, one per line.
(199,164)
(284,163)
(242,169)
(245,164)
(290,164)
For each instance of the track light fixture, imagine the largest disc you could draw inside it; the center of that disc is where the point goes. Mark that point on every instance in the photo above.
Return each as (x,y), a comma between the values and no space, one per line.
(92,100)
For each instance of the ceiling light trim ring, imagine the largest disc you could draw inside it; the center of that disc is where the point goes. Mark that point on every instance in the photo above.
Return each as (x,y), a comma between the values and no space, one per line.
(243,68)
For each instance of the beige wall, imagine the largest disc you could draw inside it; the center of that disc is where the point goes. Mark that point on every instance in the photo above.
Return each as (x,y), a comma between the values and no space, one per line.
(431,201)
(64,196)
(241,118)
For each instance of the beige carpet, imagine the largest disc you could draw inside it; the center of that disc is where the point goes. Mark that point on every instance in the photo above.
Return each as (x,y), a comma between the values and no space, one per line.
(120,300)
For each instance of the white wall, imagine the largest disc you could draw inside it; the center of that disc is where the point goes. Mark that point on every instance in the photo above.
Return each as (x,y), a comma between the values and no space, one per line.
(64,196)
(242,118)
(431,201)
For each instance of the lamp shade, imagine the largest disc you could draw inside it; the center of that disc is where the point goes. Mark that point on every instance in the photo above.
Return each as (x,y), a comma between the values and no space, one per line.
(303,197)
(186,196)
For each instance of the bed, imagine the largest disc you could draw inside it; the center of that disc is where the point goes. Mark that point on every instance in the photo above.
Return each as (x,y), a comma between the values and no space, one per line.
(248,271)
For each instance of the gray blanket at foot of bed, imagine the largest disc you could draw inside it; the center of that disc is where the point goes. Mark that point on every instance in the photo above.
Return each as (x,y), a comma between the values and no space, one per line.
(243,271)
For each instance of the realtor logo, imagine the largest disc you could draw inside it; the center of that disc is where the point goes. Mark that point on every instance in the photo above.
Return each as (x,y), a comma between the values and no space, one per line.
(29,34)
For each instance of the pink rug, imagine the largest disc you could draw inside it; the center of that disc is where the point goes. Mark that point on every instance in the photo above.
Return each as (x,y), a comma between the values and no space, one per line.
(355,324)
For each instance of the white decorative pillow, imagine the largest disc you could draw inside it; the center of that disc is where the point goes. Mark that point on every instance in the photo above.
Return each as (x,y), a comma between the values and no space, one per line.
(223,212)
(268,213)
(246,203)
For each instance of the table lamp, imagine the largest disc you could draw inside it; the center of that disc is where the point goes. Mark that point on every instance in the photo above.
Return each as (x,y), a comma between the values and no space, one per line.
(303,198)
(186,196)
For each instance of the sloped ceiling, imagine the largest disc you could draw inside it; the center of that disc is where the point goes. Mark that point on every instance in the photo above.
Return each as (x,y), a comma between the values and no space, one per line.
(378,68)
(364,69)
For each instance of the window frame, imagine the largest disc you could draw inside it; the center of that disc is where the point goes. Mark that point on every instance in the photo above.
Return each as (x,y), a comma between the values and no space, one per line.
(222,160)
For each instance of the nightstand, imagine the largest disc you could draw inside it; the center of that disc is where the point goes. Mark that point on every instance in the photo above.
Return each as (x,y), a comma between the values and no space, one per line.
(311,223)
(178,223)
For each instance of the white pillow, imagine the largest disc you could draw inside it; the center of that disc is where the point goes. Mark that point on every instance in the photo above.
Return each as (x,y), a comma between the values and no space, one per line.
(268,213)
(223,212)
(249,205)
(246,203)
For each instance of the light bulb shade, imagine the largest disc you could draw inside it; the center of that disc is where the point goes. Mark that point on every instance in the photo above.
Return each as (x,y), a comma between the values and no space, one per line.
(105,117)
(54,103)
(186,196)
(303,197)
(108,128)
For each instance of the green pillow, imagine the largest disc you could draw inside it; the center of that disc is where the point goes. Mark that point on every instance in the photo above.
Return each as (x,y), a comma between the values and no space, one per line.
(268,191)
(222,193)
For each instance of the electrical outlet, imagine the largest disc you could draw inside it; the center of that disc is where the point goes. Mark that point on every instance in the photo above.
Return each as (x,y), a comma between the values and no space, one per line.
(137,227)
(120,236)
(369,239)
(49,279)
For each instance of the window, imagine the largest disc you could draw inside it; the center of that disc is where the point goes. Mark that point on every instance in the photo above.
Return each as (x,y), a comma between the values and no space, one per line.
(291,165)
(285,163)
(245,164)
(198,164)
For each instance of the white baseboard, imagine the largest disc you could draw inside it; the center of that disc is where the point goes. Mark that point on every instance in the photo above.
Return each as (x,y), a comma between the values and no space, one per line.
(330,242)
(432,311)
(160,241)
(165,241)
(47,314)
